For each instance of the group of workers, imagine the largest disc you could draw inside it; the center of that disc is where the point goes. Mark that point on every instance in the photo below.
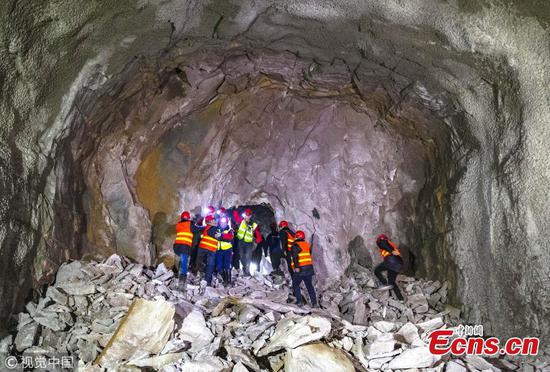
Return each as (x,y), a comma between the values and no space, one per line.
(216,241)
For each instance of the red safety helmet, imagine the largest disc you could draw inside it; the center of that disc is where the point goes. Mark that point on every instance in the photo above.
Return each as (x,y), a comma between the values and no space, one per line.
(381,237)
(283,224)
(211,209)
(248,212)
(185,216)
(300,235)
(222,210)
(209,218)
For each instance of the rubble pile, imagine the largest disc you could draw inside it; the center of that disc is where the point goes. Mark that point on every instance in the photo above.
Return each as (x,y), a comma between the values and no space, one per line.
(117,313)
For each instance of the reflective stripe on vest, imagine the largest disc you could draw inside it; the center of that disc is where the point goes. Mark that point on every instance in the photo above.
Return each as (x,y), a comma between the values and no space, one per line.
(225,245)
(246,231)
(183,233)
(304,257)
(207,242)
(385,253)
(289,240)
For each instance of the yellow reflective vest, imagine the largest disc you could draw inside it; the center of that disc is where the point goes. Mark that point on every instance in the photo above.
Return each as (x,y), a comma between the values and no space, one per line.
(246,231)
(225,245)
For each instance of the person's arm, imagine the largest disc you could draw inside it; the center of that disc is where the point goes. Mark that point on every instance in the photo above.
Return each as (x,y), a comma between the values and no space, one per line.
(385,246)
(196,228)
(258,235)
(237,217)
(284,241)
(214,232)
(295,250)
(227,237)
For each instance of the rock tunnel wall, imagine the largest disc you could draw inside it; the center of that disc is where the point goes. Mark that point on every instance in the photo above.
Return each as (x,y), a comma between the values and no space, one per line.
(90,92)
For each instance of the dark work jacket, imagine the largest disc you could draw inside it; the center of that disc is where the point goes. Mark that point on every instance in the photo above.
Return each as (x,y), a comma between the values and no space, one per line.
(283,235)
(274,242)
(295,250)
(212,232)
(383,244)
(394,263)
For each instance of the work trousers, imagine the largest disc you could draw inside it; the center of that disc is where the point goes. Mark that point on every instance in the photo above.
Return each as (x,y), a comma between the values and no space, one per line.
(392,268)
(275,255)
(223,259)
(288,260)
(184,263)
(245,254)
(208,259)
(183,250)
(307,278)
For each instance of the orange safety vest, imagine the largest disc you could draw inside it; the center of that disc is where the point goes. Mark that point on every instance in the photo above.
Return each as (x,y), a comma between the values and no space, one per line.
(304,257)
(385,253)
(289,240)
(183,233)
(207,242)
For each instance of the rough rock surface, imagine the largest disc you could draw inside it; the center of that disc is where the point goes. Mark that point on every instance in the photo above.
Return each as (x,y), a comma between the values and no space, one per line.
(459,89)
(208,328)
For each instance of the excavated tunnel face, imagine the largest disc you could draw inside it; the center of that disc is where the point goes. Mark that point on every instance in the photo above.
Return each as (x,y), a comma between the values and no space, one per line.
(424,121)
(329,153)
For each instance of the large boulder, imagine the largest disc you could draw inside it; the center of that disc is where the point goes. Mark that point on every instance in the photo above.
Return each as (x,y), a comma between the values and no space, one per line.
(317,357)
(144,331)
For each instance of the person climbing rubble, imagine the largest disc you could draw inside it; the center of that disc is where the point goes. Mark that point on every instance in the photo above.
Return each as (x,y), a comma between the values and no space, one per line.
(275,250)
(302,266)
(182,245)
(208,246)
(287,239)
(392,263)
(225,249)
(246,233)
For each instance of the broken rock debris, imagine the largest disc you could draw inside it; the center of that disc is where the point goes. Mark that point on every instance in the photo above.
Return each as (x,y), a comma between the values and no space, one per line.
(117,314)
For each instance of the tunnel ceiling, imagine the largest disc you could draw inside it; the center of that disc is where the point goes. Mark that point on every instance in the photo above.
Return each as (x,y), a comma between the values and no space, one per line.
(435,113)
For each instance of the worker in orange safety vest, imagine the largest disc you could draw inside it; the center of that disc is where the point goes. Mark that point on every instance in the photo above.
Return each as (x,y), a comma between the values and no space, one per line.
(392,263)
(302,266)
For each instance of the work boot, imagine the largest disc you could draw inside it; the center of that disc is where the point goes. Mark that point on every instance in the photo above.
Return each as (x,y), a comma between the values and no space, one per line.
(229,279)
(182,282)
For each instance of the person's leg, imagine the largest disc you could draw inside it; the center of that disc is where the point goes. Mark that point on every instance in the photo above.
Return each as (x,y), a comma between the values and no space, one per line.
(194,253)
(378,272)
(184,261)
(256,255)
(210,264)
(226,264)
(242,255)
(236,257)
(201,260)
(219,261)
(392,275)
(276,261)
(296,280)
(288,259)
(308,281)
(247,257)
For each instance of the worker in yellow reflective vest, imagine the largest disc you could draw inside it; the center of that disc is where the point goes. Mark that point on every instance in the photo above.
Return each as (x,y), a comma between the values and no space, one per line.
(225,250)
(246,233)
(302,265)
